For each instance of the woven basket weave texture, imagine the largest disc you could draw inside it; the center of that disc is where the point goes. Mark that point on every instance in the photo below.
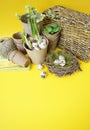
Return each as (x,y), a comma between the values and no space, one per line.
(76,31)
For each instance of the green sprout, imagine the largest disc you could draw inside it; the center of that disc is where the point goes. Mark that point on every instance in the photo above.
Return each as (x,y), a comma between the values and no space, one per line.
(33,18)
(19,16)
(50,14)
(26,41)
(52,28)
(32,21)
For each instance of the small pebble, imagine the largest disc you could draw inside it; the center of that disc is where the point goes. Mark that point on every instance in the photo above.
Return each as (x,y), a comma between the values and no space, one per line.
(43,74)
(39,67)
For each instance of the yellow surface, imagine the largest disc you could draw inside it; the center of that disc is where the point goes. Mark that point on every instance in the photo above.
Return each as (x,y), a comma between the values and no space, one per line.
(28,102)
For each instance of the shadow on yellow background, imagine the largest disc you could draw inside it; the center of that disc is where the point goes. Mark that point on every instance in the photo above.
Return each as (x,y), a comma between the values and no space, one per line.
(28,102)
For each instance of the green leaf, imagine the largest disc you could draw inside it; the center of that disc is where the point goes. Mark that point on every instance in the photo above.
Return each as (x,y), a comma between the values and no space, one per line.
(56,29)
(50,14)
(45,32)
(61,28)
(52,32)
(49,29)
(54,25)
(52,28)
(26,41)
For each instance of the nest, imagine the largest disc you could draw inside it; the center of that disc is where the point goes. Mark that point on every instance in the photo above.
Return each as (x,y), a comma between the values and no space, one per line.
(70,67)
(76,31)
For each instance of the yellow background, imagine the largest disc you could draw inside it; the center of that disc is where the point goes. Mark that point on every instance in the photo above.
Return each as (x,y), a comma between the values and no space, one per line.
(28,102)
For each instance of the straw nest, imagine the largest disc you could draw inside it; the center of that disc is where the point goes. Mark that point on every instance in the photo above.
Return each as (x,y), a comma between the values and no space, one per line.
(70,66)
(76,31)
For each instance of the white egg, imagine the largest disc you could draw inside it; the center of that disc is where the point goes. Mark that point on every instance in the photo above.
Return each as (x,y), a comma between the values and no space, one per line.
(43,44)
(34,44)
(39,67)
(56,62)
(61,57)
(62,62)
(43,74)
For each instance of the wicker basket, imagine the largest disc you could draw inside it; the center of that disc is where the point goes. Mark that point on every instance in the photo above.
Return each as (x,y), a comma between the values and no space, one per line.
(76,31)
(68,69)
